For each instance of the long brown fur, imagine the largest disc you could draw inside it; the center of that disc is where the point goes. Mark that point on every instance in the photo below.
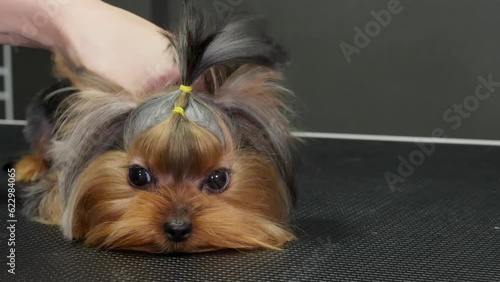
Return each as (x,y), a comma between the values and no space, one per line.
(50,207)
(29,168)
(112,215)
(132,220)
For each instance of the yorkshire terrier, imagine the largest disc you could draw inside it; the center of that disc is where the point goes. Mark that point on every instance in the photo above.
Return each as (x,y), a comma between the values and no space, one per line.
(203,164)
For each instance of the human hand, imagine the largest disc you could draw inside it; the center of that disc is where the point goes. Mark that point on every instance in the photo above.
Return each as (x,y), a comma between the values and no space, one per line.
(111,42)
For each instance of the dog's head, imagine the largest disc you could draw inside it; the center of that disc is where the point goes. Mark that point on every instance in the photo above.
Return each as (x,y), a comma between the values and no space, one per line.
(194,170)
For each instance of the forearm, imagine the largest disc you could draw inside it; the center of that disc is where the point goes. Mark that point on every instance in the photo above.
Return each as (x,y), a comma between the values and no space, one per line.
(109,41)
(36,23)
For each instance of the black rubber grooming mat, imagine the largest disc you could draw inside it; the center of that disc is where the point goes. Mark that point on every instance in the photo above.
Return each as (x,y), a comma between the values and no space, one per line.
(441,224)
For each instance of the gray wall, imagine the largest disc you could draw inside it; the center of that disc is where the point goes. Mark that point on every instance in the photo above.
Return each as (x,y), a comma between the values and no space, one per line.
(31,73)
(424,61)
(412,72)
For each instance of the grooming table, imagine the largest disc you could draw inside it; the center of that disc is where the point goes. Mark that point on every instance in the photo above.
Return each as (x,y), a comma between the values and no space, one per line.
(441,224)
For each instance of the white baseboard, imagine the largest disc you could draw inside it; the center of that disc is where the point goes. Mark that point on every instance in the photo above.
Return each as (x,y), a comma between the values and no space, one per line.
(364,137)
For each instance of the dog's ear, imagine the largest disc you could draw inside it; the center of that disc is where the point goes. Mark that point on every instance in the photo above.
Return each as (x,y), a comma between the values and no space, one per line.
(255,98)
(82,78)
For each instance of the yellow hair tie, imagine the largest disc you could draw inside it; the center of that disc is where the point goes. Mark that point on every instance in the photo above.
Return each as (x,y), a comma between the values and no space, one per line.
(178,110)
(185,89)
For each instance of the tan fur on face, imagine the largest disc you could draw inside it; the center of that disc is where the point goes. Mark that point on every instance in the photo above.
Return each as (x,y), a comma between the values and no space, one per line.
(102,193)
(252,212)
(179,147)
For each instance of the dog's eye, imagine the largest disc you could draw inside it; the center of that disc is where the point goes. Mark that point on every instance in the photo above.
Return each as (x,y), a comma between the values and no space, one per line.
(217,181)
(139,177)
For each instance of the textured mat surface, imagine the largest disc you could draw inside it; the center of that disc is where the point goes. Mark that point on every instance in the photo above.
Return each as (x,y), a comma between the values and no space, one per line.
(441,224)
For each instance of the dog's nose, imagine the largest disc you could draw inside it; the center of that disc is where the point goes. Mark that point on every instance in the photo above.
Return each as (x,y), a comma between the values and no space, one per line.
(177,231)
